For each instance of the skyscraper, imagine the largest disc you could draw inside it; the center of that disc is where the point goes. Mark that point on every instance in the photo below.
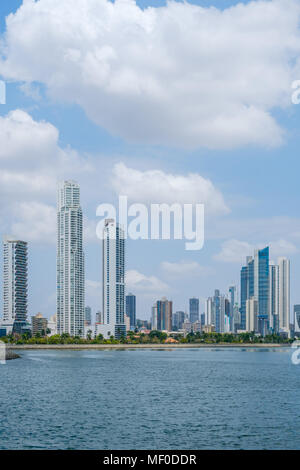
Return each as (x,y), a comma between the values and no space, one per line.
(164,314)
(209,312)
(131,309)
(233,307)
(177,320)
(70,261)
(261,283)
(274,298)
(14,285)
(154,317)
(113,279)
(284,294)
(194,310)
(255,283)
(251,314)
(244,296)
(219,308)
(87,316)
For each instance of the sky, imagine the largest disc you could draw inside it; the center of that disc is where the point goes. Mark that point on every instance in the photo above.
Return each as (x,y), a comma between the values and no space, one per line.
(163,102)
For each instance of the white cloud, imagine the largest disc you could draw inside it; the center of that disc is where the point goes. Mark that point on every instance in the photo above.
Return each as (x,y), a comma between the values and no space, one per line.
(138,282)
(282,248)
(35,222)
(31,158)
(184,269)
(156,186)
(177,75)
(253,229)
(25,139)
(32,162)
(236,251)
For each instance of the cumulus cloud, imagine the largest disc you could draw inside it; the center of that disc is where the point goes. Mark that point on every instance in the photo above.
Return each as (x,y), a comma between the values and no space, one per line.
(156,186)
(31,157)
(253,229)
(32,161)
(184,269)
(139,282)
(35,221)
(179,75)
(236,251)
(282,248)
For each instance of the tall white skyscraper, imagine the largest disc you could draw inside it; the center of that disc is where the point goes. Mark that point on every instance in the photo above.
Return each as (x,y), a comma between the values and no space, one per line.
(251,314)
(209,312)
(154,317)
(70,261)
(233,309)
(14,284)
(113,280)
(215,310)
(284,294)
(274,298)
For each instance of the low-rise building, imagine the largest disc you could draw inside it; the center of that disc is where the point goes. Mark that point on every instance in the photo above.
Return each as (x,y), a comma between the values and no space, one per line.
(208,329)
(39,325)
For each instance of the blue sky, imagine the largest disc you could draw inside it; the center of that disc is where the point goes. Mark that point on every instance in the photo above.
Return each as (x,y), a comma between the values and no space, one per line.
(181,91)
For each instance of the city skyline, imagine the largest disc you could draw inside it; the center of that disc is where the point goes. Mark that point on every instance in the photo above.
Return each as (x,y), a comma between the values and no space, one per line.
(246,207)
(263,305)
(267,284)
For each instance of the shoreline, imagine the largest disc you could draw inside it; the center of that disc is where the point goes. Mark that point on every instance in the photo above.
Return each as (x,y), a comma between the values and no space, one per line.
(142,346)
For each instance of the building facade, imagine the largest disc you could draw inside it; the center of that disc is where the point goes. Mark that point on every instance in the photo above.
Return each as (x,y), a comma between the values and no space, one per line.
(15,285)
(162,311)
(131,309)
(70,261)
(251,315)
(234,318)
(209,312)
(87,316)
(255,284)
(284,294)
(217,312)
(39,325)
(113,280)
(178,320)
(274,299)
(243,296)
(194,309)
